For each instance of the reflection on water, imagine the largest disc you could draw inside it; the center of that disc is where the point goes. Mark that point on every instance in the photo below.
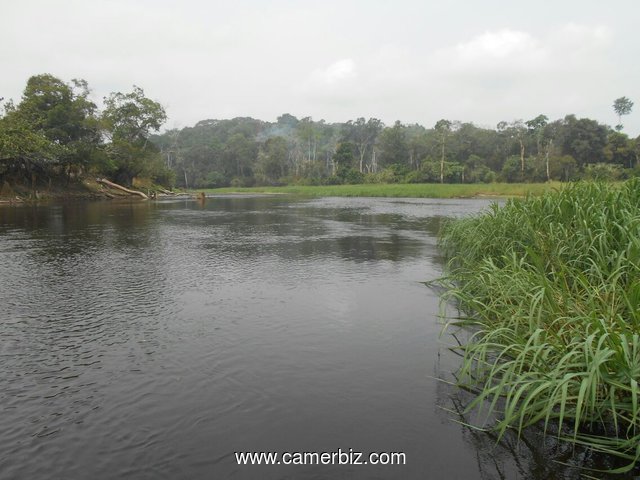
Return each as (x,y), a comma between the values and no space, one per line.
(152,340)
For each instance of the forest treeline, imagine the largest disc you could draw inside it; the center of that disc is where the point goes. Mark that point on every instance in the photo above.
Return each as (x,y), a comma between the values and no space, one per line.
(56,131)
(246,152)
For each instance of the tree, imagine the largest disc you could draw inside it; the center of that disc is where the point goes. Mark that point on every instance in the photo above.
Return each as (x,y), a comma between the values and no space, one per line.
(622,106)
(583,139)
(53,128)
(343,159)
(536,128)
(443,128)
(620,149)
(272,161)
(24,150)
(363,134)
(132,116)
(418,142)
(239,154)
(517,130)
(393,145)
(128,119)
(309,137)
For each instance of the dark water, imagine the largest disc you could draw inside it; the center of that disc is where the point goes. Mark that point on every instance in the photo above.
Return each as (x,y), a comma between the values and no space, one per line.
(154,340)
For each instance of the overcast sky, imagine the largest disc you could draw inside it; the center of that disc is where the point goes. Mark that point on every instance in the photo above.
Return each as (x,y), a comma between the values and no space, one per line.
(414,61)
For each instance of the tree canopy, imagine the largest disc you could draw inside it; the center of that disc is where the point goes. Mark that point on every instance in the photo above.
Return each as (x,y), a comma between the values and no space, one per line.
(246,151)
(57,131)
(622,106)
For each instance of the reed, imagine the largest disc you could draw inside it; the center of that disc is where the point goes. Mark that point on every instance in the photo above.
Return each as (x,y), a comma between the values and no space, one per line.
(549,286)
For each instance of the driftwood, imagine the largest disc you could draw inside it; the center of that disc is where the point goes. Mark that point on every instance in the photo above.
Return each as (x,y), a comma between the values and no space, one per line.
(120,187)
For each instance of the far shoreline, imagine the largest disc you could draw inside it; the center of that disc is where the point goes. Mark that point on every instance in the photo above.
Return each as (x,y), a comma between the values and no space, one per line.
(88,191)
(395,190)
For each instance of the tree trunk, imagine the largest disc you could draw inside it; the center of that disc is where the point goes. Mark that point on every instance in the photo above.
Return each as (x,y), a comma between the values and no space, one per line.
(120,187)
(522,157)
(547,159)
(442,162)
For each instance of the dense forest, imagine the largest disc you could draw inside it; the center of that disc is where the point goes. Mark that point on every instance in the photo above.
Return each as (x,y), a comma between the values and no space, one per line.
(246,151)
(57,132)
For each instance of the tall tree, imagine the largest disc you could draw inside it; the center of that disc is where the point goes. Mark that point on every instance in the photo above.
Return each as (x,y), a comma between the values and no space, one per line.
(518,131)
(443,128)
(622,106)
(308,135)
(363,135)
(536,128)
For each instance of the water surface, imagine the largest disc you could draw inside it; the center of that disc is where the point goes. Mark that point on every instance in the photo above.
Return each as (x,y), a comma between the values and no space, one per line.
(154,340)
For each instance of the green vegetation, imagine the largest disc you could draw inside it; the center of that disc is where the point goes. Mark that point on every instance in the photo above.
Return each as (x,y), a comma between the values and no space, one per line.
(549,287)
(245,152)
(415,190)
(56,134)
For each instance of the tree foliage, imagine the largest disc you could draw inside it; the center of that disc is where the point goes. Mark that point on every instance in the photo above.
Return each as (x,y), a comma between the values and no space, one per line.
(243,150)
(622,106)
(56,130)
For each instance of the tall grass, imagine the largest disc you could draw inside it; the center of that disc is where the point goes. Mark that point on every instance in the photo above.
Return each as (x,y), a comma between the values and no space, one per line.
(550,288)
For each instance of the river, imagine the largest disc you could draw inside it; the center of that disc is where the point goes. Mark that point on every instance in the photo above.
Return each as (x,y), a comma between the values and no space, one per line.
(155,340)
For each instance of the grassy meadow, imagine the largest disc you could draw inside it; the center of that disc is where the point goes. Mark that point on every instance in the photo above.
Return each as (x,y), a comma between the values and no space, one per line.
(549,288)
(408,190)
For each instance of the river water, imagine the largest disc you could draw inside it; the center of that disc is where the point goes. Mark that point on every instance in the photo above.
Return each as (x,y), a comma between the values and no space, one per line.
(154,340)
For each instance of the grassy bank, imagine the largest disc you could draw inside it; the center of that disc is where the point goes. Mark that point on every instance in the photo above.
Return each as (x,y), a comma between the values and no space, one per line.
(415,190)
(550,286)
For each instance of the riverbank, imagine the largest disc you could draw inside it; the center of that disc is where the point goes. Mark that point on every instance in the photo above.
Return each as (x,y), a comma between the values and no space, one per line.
(549,286)
(88,188)
(411,190)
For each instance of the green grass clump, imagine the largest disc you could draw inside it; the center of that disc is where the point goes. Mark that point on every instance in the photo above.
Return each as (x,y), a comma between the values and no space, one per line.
(407,190)
(550,288)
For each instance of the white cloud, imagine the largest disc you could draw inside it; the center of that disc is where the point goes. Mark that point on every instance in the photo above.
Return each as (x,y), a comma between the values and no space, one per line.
(336,78)
(501,44)
(494,52)
(339,72)
(335,83)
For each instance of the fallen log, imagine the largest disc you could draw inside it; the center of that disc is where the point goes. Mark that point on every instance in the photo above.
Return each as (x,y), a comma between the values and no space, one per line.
(106,182)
